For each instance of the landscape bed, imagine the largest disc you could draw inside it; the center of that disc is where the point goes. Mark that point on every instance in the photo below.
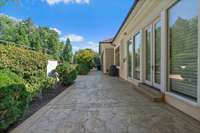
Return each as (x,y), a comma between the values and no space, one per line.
(37,103)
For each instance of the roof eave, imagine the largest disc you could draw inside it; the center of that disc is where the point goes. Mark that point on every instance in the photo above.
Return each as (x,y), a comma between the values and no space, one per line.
(129,13)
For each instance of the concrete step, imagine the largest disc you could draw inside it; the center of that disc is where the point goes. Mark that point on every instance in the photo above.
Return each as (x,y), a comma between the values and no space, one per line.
(154,94)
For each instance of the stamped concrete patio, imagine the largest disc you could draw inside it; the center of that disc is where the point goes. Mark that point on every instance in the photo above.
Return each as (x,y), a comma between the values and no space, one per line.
(101,104)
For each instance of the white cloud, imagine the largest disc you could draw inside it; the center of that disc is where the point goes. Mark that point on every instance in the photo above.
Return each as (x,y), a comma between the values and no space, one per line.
(94,46)
(56,30)
(53,2)
(86,44)
(75,48)
(79,42)
(73,38)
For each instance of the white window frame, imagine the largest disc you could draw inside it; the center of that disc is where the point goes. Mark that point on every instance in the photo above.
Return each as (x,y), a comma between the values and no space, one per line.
(198,83)
(165,58)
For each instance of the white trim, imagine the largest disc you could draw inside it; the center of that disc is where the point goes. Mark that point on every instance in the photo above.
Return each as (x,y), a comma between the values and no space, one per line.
(141,75)
(117,46)
(143,56)
(164,51)
(198,82)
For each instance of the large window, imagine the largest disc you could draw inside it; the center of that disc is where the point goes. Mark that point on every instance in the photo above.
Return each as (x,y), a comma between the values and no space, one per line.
(183,37)
(136,59)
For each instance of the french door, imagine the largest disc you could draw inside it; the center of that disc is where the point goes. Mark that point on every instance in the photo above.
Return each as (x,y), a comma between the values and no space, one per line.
(130,59)
(153,54)
(133,50)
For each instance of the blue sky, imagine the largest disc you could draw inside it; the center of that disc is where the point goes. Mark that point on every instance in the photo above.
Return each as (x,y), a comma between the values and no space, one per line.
(85,22)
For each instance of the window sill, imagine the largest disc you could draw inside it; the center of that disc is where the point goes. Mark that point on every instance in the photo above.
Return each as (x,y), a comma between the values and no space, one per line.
(183,99)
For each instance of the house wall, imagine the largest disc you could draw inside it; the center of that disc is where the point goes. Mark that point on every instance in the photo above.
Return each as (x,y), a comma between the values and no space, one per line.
(107,56)
(109,59)
(144,14)
(123,60)
(117,56)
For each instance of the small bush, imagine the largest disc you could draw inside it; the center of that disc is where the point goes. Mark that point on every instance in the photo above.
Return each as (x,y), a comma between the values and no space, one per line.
(49,83)
(82,69)
(14,98)
(67,73)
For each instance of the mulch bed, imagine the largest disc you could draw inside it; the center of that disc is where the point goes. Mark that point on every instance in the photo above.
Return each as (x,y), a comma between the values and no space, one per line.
(37,103)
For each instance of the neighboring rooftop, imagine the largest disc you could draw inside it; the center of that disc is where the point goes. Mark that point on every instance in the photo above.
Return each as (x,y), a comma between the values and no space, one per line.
(107,40)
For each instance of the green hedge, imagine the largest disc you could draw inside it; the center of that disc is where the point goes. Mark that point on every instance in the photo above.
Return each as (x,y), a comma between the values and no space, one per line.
(28,64)
(82,69)
(13,98)
(67,73)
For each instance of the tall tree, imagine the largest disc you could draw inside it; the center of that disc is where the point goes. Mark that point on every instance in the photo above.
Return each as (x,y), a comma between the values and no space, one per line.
(26,33)
(67,52)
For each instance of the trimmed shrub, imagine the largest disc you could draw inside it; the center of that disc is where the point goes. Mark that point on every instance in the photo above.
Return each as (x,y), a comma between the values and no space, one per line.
(29,64)
(82,69)
(14,98)
(67,73)
(49,83)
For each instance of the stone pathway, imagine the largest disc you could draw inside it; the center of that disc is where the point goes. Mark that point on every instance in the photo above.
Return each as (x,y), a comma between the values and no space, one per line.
(101,104)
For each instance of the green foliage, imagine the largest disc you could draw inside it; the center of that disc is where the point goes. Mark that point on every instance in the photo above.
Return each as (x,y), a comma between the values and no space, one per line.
(67,52)
(13,98)
(28,64)
(82,69)
(25,33)
(49,83)
(67,73)
(86,56)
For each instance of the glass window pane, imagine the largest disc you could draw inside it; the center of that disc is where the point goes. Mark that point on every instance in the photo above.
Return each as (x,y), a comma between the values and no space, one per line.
(148,53)
(183,35)
(130,58)
(157,51)
(136,61)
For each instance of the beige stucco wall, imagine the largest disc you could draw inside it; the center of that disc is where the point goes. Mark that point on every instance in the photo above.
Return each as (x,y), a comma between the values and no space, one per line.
(109,59)
(123,59)
(107,56)
(184,105)
(144,14)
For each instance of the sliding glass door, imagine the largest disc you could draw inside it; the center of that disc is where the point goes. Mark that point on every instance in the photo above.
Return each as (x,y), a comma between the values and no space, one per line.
(183,48)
